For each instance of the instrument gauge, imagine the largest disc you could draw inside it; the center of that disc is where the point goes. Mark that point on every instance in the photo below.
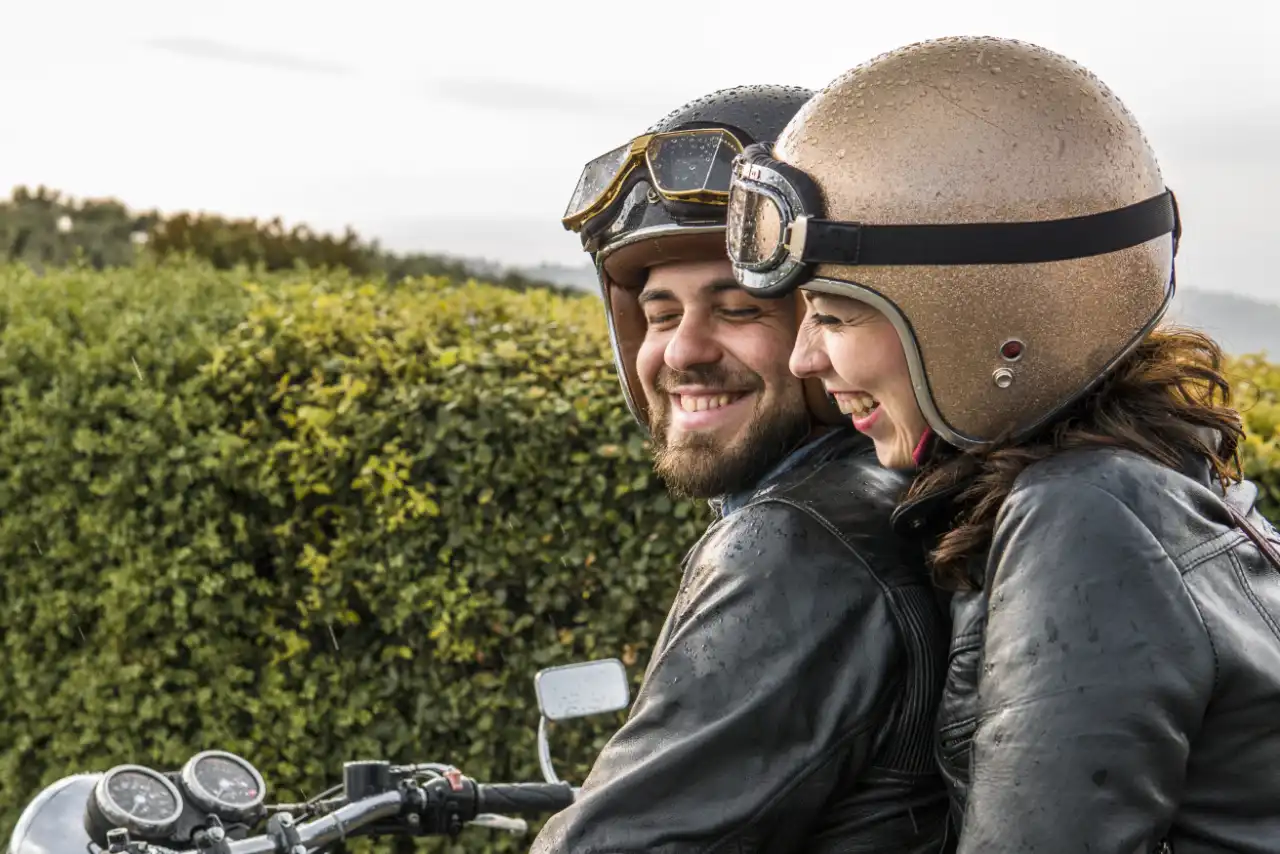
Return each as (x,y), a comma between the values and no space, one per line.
(223,784)
(138,799)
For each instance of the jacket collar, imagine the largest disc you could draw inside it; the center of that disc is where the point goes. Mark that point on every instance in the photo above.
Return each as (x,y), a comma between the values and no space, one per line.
(818,441)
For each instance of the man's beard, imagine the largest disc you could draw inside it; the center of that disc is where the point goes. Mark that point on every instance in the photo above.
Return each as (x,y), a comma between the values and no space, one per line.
(701,465)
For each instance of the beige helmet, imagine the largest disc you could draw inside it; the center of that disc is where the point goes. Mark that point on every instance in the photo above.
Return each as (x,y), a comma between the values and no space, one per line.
(994,199)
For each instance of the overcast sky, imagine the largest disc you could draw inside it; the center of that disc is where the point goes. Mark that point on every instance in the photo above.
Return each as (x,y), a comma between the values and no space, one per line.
(461,126)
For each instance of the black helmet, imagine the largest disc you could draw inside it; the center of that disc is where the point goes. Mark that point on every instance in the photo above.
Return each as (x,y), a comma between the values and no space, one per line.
(628,223)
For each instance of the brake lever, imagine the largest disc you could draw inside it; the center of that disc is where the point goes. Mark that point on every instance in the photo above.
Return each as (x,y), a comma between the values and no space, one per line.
(514,826)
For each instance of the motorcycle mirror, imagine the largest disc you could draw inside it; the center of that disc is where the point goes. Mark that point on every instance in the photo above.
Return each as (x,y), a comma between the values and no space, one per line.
(582,689)
(576,691)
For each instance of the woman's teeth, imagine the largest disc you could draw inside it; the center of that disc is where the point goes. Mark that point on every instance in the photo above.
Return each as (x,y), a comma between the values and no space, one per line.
(703,402)
(857,404)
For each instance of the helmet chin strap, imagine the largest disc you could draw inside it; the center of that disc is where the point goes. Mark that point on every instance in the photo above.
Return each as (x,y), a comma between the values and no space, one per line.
(917,456)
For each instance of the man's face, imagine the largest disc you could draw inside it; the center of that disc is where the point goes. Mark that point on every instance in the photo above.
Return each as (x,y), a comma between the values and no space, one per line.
(723,406)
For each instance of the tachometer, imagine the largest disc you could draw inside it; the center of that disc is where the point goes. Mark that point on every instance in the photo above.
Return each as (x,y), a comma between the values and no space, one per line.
(223,784)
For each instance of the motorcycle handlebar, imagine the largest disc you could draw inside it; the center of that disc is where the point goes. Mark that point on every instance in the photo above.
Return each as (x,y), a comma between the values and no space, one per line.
(523,798)
(283,836)
(324,830)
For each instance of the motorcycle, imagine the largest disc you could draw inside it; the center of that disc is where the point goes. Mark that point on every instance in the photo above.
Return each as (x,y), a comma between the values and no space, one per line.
(216,801)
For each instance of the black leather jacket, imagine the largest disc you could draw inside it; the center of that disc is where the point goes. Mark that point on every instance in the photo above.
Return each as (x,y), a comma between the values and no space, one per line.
(790,700)
(1115,687)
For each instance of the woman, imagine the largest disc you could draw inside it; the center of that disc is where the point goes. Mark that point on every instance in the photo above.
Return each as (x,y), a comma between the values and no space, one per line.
(986,248)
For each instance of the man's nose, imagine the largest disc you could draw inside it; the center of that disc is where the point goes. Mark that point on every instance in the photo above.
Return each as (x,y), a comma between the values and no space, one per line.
(694,343)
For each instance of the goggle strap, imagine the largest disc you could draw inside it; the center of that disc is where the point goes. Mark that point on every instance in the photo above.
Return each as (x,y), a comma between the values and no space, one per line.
(823,241)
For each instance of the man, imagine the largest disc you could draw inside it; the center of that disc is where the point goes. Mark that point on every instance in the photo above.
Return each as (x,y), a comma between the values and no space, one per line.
(790,699)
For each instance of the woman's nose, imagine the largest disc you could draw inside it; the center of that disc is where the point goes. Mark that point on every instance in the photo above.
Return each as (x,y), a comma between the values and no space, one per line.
(808,356)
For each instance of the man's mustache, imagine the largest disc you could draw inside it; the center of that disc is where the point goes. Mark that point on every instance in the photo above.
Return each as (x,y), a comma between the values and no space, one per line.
(711,376)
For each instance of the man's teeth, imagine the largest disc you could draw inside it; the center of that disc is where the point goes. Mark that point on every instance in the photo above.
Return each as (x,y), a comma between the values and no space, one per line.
(858,405)
(703,402)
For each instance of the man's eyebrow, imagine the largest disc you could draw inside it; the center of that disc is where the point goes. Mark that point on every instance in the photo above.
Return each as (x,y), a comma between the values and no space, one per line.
(721,285)
(654,296)
(715,286)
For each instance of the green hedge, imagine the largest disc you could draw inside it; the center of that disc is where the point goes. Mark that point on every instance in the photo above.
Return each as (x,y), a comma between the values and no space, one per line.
(311,518)
(1256,383)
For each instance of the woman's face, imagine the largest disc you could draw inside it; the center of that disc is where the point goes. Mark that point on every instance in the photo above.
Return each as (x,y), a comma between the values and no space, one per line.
(855,351)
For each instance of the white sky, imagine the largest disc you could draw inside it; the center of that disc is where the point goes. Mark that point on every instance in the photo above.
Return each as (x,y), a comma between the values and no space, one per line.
(461,126)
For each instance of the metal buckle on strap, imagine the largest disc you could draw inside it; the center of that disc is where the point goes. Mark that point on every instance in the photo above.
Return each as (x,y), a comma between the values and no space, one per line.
(797,234)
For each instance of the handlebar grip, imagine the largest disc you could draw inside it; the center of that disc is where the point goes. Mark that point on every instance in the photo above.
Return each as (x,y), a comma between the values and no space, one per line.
(525,798)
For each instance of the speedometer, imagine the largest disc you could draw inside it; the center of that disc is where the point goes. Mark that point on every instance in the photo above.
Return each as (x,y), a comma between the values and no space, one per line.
(142,801)
(223,784)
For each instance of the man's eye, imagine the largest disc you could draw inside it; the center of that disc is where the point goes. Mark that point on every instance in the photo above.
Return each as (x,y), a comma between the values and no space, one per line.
(659,319)
(742,312)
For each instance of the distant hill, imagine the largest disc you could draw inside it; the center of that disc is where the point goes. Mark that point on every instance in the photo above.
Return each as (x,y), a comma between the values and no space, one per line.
(581,277)
(1240,324)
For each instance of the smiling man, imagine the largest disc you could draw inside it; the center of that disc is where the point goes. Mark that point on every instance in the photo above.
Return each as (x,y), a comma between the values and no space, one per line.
(722,409)
(790,698)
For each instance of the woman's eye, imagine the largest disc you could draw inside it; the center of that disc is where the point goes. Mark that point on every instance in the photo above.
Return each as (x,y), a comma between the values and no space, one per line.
(823,319)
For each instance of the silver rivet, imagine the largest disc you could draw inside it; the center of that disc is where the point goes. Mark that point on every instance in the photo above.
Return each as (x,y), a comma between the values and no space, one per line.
(1003,377)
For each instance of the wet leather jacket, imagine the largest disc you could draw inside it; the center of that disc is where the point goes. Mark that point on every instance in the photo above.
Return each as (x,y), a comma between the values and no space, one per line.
(1115,685)
(790,699)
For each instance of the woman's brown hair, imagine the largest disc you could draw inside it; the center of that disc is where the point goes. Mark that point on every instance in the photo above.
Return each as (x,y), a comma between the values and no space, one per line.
(1168,400)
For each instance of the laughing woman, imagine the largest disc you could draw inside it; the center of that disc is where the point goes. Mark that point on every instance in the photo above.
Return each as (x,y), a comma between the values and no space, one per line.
(986,248)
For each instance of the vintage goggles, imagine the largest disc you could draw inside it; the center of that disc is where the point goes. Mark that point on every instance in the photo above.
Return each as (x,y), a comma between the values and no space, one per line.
(776,234)
(690,166)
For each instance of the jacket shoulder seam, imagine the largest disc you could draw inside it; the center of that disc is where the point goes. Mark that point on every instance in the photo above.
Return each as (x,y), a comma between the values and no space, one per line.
(1206,550)
(831,529)
(1251,595)
(1173,562)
